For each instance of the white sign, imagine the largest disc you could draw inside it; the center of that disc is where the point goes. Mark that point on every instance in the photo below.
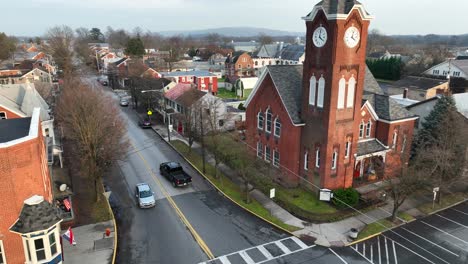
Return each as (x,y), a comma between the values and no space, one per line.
(436,189)
(272,193)
(325,195)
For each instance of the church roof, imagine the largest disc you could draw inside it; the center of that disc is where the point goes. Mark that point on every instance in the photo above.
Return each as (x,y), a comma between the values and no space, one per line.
(369,146)
(386,107)
(338,6)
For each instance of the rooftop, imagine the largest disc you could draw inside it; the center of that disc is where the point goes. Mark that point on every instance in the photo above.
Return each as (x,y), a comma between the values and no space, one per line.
(187,73)
(369,146)
(11,129)
(36,215)
(418,83)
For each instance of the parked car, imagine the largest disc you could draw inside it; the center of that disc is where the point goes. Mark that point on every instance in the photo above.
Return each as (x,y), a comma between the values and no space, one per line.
(123,102)
(175,174)
(144,123)
(145,196)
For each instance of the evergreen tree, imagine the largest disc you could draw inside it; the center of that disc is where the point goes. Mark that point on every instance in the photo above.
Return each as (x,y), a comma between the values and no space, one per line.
(135,47)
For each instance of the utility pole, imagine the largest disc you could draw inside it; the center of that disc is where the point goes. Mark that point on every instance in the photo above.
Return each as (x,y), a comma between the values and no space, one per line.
(202,140)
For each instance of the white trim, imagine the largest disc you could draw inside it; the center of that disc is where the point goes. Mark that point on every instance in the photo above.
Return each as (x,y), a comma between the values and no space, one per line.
(33,131)
(371,110)
(277,121)
(317,158)
(376,118)
(15,111)
(306,160)
(358,7)
(334,160)
(255,89)
(2,252)
(398,121)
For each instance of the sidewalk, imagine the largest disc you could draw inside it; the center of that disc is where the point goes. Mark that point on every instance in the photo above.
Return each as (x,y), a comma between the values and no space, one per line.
(326,234)
(92,246)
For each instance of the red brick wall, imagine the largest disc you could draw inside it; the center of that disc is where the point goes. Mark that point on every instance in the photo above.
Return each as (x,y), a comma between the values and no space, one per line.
(395,157)
(24,173)
(288,142)
(9,114)
(206,80)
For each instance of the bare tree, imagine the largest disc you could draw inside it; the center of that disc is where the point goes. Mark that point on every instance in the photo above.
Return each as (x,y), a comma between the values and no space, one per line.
(90,120)
(265,39)
(60,46)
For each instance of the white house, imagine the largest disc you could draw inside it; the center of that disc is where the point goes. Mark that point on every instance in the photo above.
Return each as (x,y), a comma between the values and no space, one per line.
(456,68)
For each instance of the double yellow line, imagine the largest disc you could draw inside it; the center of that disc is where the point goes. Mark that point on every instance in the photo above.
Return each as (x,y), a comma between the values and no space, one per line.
(194,233)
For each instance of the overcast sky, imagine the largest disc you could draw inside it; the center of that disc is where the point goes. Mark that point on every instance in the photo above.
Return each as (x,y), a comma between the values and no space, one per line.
(33,17)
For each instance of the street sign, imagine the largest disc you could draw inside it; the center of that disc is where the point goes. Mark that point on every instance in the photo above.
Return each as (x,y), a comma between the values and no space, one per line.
(436,189)
(149,112)
(272,193)
(325,195)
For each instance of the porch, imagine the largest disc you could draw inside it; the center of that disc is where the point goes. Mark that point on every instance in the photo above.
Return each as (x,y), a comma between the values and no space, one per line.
(370,162)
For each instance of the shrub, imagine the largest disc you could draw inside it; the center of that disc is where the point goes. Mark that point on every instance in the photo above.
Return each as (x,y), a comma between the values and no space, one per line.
(241,107)
(344,197)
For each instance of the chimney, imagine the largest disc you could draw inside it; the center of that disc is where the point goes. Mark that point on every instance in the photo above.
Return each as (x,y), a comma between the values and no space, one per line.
(405,93)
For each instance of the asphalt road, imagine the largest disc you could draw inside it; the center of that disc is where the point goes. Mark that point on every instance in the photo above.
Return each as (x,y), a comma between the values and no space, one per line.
(158,235)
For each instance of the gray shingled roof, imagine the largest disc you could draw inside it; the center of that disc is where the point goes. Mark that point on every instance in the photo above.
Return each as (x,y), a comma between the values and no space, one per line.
(35,218)
(338,6)
(418,83)
(369,146)
(293,52)
(11,129)
(288,81)
(370,84)
(386,107)
(270,50)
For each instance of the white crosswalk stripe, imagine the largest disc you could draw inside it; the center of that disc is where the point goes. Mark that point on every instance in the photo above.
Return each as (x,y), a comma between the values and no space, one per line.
(280,244)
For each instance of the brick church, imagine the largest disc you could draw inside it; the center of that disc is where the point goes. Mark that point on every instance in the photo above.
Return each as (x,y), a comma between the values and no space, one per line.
(328,121)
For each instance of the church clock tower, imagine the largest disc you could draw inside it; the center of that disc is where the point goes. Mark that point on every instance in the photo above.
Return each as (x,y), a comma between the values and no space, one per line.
(333,83)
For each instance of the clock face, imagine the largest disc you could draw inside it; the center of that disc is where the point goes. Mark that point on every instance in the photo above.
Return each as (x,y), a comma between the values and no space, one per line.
(319,37)
(352,37)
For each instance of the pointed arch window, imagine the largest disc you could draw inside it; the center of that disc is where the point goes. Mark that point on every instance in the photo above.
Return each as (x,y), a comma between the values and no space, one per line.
(395,138)
(361,130)
(341,93)
(321,92)
(306,160)
(334,159)
(312,90)
(347,148)
(268,120)
(351,92)
(403,145)
(260,120)
(368,129)
(317,158)
(277,127)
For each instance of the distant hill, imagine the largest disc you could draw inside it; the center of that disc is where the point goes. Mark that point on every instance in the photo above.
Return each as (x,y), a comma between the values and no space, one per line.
(233,32)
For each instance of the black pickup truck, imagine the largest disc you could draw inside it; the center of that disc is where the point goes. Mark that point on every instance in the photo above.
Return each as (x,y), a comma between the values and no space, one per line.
(175,174)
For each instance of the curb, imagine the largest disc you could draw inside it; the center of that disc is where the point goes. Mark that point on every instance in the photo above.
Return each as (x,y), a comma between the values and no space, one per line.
(446,207)
(219,190)
(115,229)
(363,239)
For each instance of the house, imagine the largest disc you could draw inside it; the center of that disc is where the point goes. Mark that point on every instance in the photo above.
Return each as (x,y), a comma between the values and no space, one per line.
(327,122)
(293,54)
(280,54)
(151,73)
(217,59)
(24,173)
(388,55)
(119,69)
(24,76)
(204,81)
(20,56)
(456,68)
(239,64)
(418,88)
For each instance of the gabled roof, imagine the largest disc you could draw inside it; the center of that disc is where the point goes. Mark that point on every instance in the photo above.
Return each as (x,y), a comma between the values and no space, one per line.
(36,216)
(22,99)
(386,107)
(188,73)
(270,50)
(369,146)
(189,97)
(418,83)
(293,52)
(177,91)
(120,61)
(370,83)
(337,6)
(462,65)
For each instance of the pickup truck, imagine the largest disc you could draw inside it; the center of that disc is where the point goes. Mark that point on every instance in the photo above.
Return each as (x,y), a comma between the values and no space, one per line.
(174,173)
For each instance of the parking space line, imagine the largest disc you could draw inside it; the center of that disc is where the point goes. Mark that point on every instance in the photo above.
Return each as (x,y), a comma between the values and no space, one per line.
(452,221)
(364,249)
(372,253)
(265,252)
(394,252)
(419,255)
(461,212)
(246,257)
(344,261)
(427,240)
(386,250)
(282,247)
(446,233)
(378,246)
(224,260)
(362,255)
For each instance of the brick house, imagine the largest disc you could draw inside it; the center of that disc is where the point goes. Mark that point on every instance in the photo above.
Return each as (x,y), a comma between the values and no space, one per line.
(327,121)
(24,173)
(239,64)
(204,81)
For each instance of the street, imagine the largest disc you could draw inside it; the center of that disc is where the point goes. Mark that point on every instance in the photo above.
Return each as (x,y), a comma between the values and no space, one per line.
(158,235)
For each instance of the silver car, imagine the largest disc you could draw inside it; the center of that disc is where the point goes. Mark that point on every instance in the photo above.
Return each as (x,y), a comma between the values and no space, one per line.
(144,195)
(123,102)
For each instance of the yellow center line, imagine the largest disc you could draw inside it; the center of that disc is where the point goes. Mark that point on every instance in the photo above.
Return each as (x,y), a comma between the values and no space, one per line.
(194,233)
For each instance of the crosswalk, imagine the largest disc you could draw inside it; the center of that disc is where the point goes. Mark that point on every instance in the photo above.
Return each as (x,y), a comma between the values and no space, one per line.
(263,253)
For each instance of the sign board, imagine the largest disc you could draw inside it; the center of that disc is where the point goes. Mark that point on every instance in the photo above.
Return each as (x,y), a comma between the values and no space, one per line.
(149,112)
(325,195)
(272,193)
(436,189)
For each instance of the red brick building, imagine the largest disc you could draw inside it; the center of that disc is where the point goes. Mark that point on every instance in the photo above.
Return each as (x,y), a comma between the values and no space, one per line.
(204,81)
(327,121)
(23,172)
(239,64)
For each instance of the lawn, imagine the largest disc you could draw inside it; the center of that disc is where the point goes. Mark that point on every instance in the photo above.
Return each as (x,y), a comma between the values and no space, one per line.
(304,199)
(225,94)
(228,187)
(447,200)
(375,228)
